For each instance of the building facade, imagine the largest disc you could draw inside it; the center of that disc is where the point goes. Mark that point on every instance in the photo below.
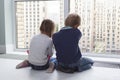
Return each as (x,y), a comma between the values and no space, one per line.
(85,8)
(29,16)
(100,23)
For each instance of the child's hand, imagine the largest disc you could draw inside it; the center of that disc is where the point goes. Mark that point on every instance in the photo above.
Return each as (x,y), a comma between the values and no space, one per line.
(49,57)
(28,51)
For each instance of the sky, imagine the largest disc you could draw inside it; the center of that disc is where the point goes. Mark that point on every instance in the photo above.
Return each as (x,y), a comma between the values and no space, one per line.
(53,6)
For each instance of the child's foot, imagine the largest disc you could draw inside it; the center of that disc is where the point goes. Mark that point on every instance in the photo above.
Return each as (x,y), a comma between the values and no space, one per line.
(51,67)
(23,64)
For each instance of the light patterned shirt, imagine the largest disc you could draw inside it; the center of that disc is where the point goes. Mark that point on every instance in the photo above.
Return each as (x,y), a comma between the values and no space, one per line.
(40,47)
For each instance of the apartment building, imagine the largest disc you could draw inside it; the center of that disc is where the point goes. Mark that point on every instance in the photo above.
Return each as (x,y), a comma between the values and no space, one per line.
(100,23)
(61,13)
(85,9)
(113,27)
(29,16)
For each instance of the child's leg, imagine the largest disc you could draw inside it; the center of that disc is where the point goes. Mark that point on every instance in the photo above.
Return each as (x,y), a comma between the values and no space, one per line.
(85,64)
(84,61)
(53,60)
(23,64)
(51,65)
(85,67)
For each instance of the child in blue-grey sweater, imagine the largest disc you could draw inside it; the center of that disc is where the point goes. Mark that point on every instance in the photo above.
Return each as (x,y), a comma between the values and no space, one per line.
(68,54)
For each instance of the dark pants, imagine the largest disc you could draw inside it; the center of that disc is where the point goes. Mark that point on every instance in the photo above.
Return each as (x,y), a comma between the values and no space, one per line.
(44,67)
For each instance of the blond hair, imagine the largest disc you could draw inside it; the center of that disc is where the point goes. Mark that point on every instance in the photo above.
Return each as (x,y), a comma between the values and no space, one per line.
(72,20)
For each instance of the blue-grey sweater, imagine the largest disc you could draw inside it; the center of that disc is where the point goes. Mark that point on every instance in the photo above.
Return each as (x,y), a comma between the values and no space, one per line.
(66,45)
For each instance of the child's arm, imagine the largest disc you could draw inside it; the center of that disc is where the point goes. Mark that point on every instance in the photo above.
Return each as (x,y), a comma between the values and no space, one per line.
(49,57)
(78,34)
(50,49)
(27,51)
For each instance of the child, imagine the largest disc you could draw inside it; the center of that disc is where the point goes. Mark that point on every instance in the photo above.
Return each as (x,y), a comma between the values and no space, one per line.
(69,58)
(40,49)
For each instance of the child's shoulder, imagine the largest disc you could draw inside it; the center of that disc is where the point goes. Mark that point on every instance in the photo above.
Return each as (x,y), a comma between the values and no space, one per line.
(73,30)
(37,35)
(56,33)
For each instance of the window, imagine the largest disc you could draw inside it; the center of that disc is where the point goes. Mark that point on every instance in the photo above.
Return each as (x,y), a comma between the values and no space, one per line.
(108,46)
(113,43)
(104,16)
(100,29)
(113,34)
(30,13)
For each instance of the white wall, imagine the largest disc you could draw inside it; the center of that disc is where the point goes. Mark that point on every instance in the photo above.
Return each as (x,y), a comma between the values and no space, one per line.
(6,27)
(2,27)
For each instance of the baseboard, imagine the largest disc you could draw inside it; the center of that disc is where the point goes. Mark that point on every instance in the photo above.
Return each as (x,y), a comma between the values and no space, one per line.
(2,49)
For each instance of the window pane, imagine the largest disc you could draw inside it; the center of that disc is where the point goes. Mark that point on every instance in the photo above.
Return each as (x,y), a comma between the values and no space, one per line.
(102,19)
(29,15)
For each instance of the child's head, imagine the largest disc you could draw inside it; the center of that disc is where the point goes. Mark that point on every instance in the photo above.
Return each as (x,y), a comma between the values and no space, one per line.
(73,20)
(47,27)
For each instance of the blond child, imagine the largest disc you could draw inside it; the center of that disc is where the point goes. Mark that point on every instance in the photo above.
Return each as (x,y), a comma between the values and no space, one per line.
(69,57)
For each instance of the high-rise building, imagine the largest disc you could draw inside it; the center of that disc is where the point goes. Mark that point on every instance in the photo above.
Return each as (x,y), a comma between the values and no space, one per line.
(85,8)
(20,24)
(107,26)
(29,16)
(61,13)
(100,25)
(112,39)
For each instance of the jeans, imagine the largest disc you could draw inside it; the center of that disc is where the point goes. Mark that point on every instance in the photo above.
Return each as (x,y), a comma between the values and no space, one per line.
(81,65)
(85,63)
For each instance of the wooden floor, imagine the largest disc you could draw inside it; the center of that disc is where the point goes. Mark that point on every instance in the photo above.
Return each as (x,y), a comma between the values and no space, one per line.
(8,72)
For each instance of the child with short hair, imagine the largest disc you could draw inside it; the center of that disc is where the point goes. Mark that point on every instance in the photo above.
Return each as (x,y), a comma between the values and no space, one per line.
(69,57)
(40,48)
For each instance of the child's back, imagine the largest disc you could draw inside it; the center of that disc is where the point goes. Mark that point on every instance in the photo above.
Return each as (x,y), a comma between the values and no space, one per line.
(67,50)
(66,45)
(40,47)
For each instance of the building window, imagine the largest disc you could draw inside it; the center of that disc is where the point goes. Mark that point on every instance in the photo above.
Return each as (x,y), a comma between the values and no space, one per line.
(113,43)
(108,46)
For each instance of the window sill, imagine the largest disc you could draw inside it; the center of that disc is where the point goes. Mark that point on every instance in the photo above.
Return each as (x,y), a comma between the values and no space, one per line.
(105,60)
(17,53)
(96,57)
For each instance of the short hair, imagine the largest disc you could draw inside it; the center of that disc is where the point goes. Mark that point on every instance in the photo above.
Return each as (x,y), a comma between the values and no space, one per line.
(47,26)
(72,20)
